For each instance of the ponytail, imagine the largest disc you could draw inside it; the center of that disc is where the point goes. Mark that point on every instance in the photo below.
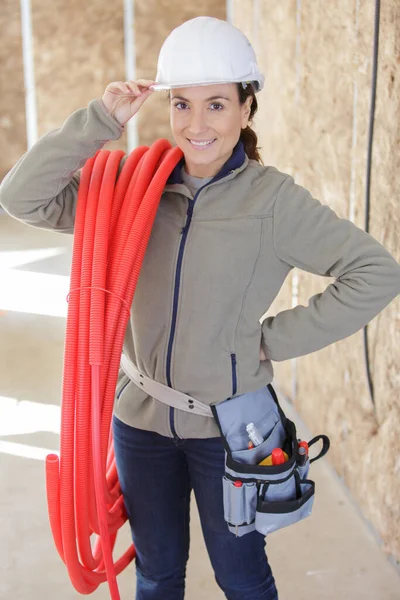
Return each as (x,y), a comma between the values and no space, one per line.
(248,136)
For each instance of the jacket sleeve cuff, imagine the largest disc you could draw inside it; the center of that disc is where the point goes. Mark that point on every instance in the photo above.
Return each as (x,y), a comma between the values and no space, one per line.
(113,120)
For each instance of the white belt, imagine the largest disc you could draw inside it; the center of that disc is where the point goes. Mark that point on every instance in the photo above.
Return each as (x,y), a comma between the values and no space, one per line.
(163,392)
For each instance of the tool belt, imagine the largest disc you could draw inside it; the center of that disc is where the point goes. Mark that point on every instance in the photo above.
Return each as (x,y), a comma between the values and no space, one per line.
(255,497)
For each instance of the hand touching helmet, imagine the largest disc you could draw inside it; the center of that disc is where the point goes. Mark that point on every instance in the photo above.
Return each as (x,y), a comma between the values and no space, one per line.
(123,99)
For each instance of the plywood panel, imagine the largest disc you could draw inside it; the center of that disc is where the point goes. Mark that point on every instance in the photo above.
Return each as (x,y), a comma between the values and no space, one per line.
(78,49)
(12,99)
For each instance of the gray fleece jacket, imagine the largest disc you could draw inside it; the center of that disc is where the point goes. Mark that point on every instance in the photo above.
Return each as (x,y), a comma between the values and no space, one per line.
(214,264)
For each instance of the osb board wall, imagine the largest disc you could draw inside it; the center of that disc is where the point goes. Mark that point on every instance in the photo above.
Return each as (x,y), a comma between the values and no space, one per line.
(78,50)
(313,124)
(12,103)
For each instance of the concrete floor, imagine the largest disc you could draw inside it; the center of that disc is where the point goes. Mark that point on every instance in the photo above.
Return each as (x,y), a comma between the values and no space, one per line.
(337,555)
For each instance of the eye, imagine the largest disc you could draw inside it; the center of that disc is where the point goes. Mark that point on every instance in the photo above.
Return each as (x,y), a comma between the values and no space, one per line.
(217,106)
(177,104)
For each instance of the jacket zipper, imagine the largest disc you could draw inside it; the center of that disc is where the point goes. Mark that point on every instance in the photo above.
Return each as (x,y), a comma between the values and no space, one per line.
(234,374)
(184,234)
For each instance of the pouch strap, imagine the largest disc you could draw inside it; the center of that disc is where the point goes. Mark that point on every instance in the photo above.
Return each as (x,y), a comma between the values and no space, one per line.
(162,392)
(325,445)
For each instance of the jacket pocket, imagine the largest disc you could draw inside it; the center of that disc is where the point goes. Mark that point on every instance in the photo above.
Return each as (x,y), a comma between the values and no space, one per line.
(121,385)
(280,512)
(234,374)
(264,347)
(240,501)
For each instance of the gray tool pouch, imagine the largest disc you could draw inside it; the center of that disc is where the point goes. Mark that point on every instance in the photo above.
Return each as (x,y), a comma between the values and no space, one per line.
(265,498)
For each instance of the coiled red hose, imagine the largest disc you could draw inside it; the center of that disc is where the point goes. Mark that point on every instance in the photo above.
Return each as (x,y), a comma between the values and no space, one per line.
(113,222)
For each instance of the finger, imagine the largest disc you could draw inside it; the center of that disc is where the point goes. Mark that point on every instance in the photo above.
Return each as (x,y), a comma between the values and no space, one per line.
(116,86)
(141,87)
(133,87)
(141,99)
(145,82)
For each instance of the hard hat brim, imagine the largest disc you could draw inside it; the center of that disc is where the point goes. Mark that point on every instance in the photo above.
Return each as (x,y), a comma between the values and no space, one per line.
(169,86)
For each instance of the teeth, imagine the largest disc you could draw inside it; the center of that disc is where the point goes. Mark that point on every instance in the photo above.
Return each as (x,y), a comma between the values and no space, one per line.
(201,143)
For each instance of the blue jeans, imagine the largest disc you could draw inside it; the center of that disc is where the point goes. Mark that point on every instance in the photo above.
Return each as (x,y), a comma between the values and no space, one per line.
(157,475)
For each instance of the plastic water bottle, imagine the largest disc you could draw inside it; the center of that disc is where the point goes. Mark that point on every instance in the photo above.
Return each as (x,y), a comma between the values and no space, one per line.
(254,435)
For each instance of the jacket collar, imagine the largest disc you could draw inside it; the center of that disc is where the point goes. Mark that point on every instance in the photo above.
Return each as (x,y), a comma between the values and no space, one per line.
(236,160)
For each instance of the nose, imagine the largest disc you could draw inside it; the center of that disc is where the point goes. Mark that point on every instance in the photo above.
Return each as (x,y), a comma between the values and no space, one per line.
(198,122)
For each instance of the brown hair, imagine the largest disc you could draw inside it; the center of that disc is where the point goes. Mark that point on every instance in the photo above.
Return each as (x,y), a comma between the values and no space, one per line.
(248,136)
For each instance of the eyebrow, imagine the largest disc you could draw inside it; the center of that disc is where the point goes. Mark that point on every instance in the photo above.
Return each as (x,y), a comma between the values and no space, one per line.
(207,99)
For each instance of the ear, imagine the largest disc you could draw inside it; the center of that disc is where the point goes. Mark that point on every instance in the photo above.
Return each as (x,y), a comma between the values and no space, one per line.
(246,108)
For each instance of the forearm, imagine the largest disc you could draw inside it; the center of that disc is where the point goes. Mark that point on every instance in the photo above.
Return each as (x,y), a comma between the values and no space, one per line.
(328,318)
(310,236)
(41,189)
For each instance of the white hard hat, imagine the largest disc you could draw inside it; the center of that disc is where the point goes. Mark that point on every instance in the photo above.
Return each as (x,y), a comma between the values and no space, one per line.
(205,51)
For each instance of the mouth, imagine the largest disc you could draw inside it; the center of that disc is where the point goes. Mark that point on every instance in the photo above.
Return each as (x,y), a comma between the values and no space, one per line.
(201,144)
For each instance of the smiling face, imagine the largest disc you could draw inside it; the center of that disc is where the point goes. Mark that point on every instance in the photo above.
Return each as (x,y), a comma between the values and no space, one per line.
(206,122)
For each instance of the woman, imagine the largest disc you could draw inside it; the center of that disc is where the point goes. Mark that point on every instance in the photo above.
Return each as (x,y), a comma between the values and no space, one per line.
(227,233)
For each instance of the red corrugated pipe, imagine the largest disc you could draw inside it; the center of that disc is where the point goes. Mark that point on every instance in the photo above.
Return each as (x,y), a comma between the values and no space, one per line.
(113,223)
